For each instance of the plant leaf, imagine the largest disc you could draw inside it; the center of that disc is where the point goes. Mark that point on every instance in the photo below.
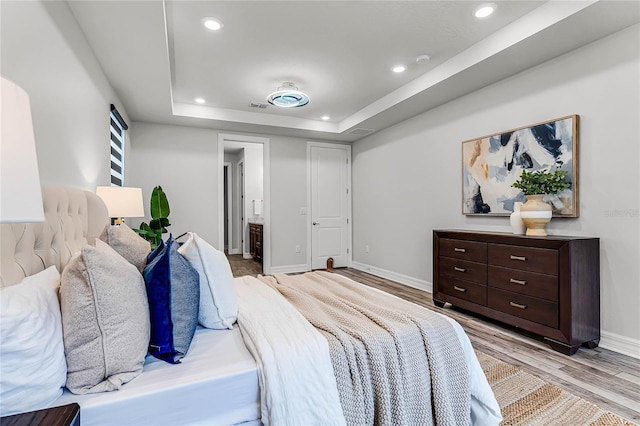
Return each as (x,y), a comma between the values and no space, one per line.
(159,207)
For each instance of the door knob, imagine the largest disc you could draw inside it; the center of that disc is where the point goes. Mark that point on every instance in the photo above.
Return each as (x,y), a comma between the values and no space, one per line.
(316,223)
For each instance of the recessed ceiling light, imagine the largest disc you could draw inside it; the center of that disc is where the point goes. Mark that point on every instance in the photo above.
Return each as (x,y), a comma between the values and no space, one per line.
(398,68)
(200,100)
(288,96)
(485,10)
(326,117)
(212,24)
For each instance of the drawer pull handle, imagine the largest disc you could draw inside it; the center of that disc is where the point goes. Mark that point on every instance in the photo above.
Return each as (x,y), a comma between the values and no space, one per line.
(455,268)
(521,282)
(522,258)
(518,305)
(461,250)
(464,290)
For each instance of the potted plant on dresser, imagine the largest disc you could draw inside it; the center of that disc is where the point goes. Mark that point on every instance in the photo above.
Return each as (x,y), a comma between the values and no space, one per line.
(537,186)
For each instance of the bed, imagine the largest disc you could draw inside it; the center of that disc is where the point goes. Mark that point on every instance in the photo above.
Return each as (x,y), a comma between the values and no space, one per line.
(258,372)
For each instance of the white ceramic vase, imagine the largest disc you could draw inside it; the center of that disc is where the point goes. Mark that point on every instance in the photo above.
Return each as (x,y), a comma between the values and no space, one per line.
(517,225)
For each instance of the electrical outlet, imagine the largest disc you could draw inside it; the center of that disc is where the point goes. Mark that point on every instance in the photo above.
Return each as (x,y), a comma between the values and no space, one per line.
(303,211)
(297,249)
(366,249)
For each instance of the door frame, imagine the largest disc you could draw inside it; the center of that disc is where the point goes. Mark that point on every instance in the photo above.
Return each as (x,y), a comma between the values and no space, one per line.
(266,178)
(229,174)
(311,144)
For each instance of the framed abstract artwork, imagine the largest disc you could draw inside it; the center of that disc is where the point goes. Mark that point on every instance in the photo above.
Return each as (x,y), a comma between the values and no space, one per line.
(491,164)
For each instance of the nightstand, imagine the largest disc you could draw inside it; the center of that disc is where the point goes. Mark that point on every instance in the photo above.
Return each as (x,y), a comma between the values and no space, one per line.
(65,415)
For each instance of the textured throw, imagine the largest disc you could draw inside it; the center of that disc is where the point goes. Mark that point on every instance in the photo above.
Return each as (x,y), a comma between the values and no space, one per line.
(379,346)
(527,400)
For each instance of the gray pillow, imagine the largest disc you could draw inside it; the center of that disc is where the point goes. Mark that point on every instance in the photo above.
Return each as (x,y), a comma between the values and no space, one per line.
(127,243)
(105,320)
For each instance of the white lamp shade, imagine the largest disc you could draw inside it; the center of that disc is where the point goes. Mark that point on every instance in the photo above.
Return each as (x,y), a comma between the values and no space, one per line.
(122,201)
(20,192)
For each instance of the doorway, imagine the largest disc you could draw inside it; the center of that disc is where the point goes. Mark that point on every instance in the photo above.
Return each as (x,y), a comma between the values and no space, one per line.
(249,172)
(329,201)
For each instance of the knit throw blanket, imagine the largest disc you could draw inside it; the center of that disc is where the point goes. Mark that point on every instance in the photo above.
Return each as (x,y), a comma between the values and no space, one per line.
(395,363)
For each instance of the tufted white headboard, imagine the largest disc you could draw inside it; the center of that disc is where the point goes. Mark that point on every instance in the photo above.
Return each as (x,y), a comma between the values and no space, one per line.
(72,218)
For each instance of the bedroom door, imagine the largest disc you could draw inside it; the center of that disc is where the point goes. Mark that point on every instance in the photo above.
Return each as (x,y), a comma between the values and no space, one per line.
(330,203)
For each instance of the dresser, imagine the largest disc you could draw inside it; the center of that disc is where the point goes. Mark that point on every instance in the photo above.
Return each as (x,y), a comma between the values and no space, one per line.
(255,241)
(548,286)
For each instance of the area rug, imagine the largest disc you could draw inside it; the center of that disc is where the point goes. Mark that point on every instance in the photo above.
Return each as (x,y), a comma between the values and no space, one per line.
(527,400)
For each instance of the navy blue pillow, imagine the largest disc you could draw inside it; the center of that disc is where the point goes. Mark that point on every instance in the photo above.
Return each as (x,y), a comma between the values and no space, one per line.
(173,290)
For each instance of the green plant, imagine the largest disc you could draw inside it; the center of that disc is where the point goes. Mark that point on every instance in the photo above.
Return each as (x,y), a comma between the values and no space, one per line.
(159,209)
(543,181)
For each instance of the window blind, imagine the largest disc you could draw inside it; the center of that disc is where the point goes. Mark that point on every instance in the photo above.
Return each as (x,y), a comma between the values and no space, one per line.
(117,140)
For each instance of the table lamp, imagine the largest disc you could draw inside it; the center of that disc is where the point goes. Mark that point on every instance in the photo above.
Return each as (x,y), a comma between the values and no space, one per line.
(20,192)
(121,202)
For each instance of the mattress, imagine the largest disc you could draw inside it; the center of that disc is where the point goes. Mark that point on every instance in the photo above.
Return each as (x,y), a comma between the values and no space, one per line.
(216,383)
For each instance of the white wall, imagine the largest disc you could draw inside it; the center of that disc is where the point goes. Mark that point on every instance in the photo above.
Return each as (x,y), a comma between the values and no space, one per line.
(407,178)
(183,161)
(44,51)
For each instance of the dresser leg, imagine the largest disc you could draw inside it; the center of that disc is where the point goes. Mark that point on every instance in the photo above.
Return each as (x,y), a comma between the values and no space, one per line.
(562,347)
(438,303)
(592,344)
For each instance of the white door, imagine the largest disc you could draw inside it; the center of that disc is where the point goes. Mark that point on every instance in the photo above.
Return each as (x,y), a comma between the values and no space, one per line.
(330,205)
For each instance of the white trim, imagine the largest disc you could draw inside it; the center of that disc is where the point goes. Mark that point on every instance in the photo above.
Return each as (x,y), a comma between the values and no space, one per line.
(311,144)
(227,164)
(234,251)
(240,205)
(394,276)
(289,269)
(266,160)
(621,344)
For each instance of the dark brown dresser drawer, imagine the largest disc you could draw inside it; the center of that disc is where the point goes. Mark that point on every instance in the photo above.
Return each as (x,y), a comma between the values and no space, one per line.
(463,290)
(524,282)
(465,250)
(531,259)
(530,308)
(461,269)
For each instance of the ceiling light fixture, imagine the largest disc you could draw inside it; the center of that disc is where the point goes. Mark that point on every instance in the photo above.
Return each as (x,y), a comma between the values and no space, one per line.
(212,24)
(326,117)
(485,10)
(288,96)
(200,100)
(398,68)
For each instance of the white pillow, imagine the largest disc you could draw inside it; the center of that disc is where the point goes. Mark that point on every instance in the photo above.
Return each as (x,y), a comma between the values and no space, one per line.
(218,300)
(33,368)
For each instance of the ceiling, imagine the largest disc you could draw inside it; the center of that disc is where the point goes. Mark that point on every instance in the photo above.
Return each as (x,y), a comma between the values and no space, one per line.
(159,57)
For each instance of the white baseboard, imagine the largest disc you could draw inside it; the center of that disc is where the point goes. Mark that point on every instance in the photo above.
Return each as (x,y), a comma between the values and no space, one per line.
(234,251)
(289,269)
(246,256)
(394,276)
(621,344)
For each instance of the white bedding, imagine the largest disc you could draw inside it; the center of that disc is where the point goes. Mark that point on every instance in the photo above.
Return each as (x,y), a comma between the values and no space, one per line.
(296,374)
(216,384)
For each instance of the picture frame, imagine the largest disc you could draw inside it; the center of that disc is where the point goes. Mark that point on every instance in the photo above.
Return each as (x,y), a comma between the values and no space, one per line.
(491,164)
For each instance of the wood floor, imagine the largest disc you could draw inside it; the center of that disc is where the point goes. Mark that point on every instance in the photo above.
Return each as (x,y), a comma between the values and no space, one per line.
(241,266)
(606,378)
